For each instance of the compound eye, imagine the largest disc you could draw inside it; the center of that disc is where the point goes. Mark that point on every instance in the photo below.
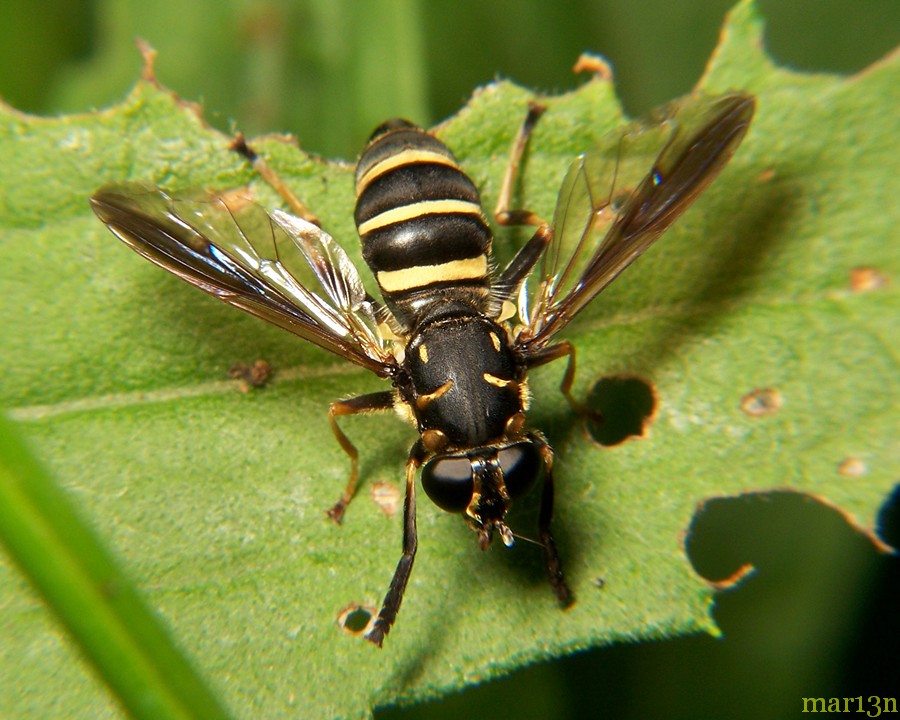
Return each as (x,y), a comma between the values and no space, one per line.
(521,464)
(448,482)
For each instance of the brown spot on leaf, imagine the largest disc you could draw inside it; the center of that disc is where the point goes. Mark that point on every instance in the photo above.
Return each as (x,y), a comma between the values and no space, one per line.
(387,497)
(762,402)
(251,376)
(866,279)
(853,467)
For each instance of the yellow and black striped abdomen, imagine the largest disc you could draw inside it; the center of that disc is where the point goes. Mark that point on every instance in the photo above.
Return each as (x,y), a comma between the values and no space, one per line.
(419,216)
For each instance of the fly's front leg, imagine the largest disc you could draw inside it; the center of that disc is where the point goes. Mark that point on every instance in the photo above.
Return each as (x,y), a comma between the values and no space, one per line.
(394,597)
(555,352)
(551,554)
(374,402)
(298,208)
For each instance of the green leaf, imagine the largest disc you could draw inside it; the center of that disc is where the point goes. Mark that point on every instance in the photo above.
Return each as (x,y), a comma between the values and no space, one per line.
(215,499)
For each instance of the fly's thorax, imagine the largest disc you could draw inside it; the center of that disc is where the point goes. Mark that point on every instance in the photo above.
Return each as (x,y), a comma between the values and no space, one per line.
(419,216)
(465,380)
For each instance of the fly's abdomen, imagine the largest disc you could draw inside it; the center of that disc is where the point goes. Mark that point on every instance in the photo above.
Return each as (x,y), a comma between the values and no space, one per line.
(423,231)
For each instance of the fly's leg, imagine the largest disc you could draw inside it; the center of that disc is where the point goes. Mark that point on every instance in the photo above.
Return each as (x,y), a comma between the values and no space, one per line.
(298,208)
(503,213)
(513,275)
(551,554)
(374,402)
(394,597)
(555,352)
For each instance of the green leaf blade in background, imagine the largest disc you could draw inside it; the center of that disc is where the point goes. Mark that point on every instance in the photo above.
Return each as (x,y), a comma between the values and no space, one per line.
(64,560)
(215,499)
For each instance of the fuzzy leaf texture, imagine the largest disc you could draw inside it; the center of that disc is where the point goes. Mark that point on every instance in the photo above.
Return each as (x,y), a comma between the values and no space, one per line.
(214,499)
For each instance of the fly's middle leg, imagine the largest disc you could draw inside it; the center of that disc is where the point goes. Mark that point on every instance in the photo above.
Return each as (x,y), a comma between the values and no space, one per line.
(374,402)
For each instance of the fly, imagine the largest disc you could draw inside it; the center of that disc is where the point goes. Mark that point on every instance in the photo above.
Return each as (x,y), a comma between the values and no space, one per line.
(443,332)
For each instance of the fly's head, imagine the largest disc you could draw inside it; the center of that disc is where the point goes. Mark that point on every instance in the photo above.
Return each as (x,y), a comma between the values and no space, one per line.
(482,482)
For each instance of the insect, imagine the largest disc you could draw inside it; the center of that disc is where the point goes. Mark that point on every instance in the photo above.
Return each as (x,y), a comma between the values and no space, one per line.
(443,333)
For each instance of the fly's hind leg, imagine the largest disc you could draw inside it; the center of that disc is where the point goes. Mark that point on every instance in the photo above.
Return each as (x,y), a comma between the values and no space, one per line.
(555,352)
(504,214)
(514,274)
(374,402)
(298,208)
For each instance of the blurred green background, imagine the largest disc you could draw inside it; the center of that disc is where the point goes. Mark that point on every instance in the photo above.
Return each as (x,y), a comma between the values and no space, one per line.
(328,71)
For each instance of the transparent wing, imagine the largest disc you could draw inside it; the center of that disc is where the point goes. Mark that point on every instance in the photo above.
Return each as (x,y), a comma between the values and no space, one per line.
(277,267)
(611,209)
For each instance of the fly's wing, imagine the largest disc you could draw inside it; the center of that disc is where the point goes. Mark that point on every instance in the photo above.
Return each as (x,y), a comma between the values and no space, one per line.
(277,267)
(610,211)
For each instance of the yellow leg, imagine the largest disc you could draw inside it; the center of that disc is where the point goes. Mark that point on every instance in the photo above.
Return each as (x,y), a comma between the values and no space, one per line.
(374,402)
(555,352)
(503,213)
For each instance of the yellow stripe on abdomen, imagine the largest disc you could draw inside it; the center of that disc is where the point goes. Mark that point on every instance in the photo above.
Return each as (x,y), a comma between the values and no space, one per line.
(392,281)
(418,209)
(408,156)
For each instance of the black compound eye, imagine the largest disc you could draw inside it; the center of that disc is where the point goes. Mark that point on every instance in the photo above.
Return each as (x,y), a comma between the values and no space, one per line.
(448,482)
(521,464)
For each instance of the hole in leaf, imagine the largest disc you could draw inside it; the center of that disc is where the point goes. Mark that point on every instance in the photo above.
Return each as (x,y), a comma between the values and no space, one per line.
(813,583)
(889,519)
(356,619)
(626,405)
